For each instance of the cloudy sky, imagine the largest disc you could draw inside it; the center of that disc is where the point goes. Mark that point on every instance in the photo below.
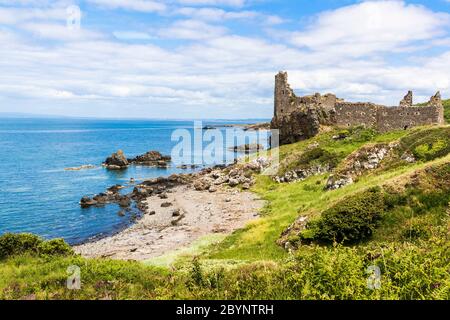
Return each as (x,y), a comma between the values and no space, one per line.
(215,58)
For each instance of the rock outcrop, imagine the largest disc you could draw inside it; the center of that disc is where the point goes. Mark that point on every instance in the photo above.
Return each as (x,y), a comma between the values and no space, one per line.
(301,174)
(151,158)
(299,125)
(210,179)
(359,162)
(116,161)
(248,148)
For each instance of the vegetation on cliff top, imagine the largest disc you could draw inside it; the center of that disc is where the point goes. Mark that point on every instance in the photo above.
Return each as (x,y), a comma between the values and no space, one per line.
(447,110)
(395,218)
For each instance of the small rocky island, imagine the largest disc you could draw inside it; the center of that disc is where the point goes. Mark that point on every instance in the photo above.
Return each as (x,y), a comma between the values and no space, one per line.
(118,160)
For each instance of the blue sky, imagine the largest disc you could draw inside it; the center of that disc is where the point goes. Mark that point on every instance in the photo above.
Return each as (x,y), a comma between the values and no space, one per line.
(215,58)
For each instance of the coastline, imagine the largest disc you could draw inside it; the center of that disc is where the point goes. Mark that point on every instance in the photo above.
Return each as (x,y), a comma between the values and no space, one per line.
(180,209)
(159,231)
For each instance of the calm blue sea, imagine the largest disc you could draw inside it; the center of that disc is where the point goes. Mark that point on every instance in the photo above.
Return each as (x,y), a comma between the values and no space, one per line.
(37,195)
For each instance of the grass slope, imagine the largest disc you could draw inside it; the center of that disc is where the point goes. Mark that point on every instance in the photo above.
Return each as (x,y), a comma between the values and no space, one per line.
(447,110)
(410,245)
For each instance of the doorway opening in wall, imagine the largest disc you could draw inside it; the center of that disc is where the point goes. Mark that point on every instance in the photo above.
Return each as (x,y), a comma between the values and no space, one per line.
(405,127)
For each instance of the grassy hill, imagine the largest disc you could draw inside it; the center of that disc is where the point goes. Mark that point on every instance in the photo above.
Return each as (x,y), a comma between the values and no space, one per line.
(394,217)
(447,110)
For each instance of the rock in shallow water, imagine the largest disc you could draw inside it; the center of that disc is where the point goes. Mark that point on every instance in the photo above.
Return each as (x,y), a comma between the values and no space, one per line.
(116,161)
(87,202)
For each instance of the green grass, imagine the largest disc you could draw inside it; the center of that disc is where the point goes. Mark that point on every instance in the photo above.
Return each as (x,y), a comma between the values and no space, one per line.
(257,241)
(447,110)
(409,271)
(410,243)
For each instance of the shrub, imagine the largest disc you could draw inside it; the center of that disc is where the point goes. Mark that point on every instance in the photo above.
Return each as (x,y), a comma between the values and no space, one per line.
(362,134)
(427,145)
(447,110)
(415,231)
(351,220)
(12,244)
(54,247)
(15,244)
(316,156)
(429,151)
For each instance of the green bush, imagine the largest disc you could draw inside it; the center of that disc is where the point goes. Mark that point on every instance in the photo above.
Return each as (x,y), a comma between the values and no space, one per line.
(447,110)
(415,231)
(427,145)
(316,156)
(12,244)
(15,244)
(54,247)
(430,150)
(350,220)
(361,134)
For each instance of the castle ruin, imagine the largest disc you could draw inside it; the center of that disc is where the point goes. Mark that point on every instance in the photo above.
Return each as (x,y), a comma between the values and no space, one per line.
(299,118)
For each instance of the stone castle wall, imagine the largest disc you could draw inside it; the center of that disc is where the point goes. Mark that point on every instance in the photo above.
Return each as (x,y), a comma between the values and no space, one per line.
(300,118)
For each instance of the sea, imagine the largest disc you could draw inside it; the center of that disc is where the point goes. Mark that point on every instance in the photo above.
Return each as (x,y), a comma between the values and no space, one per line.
(39,195)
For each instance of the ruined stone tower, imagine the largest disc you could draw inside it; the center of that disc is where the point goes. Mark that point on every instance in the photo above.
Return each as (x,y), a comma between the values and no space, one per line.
(299,118)
(283,94)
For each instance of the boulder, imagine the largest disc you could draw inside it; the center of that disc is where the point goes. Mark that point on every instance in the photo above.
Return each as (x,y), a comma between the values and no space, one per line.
(336,182)
(115,188)
(151,158)
(233,182)
(116,161)
(248,148)
(125,202)
(201,184)
(166,204)
(408,157)
(86,202)
(101,198)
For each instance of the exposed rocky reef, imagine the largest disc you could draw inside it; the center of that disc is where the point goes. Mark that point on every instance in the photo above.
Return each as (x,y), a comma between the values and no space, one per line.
(151,158)
(82,167)
(118,160)
(211,179)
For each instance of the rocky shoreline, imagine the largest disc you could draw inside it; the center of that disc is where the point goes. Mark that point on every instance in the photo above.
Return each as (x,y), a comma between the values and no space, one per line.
(214,198)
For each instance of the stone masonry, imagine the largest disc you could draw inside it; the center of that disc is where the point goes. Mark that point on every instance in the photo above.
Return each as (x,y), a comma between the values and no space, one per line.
(299,118)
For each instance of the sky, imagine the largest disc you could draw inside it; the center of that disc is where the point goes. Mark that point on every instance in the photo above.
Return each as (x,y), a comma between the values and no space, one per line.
(184,59)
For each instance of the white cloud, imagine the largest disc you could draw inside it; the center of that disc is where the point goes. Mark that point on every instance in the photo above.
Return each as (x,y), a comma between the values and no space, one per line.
(135,5)
(132,35)
(372,26)
(220,15)
(15,15)
(233,3)
(59,32)
(215,14)
(213,72)
(191,30)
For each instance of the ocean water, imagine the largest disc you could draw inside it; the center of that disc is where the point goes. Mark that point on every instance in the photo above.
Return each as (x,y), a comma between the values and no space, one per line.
(38,195)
